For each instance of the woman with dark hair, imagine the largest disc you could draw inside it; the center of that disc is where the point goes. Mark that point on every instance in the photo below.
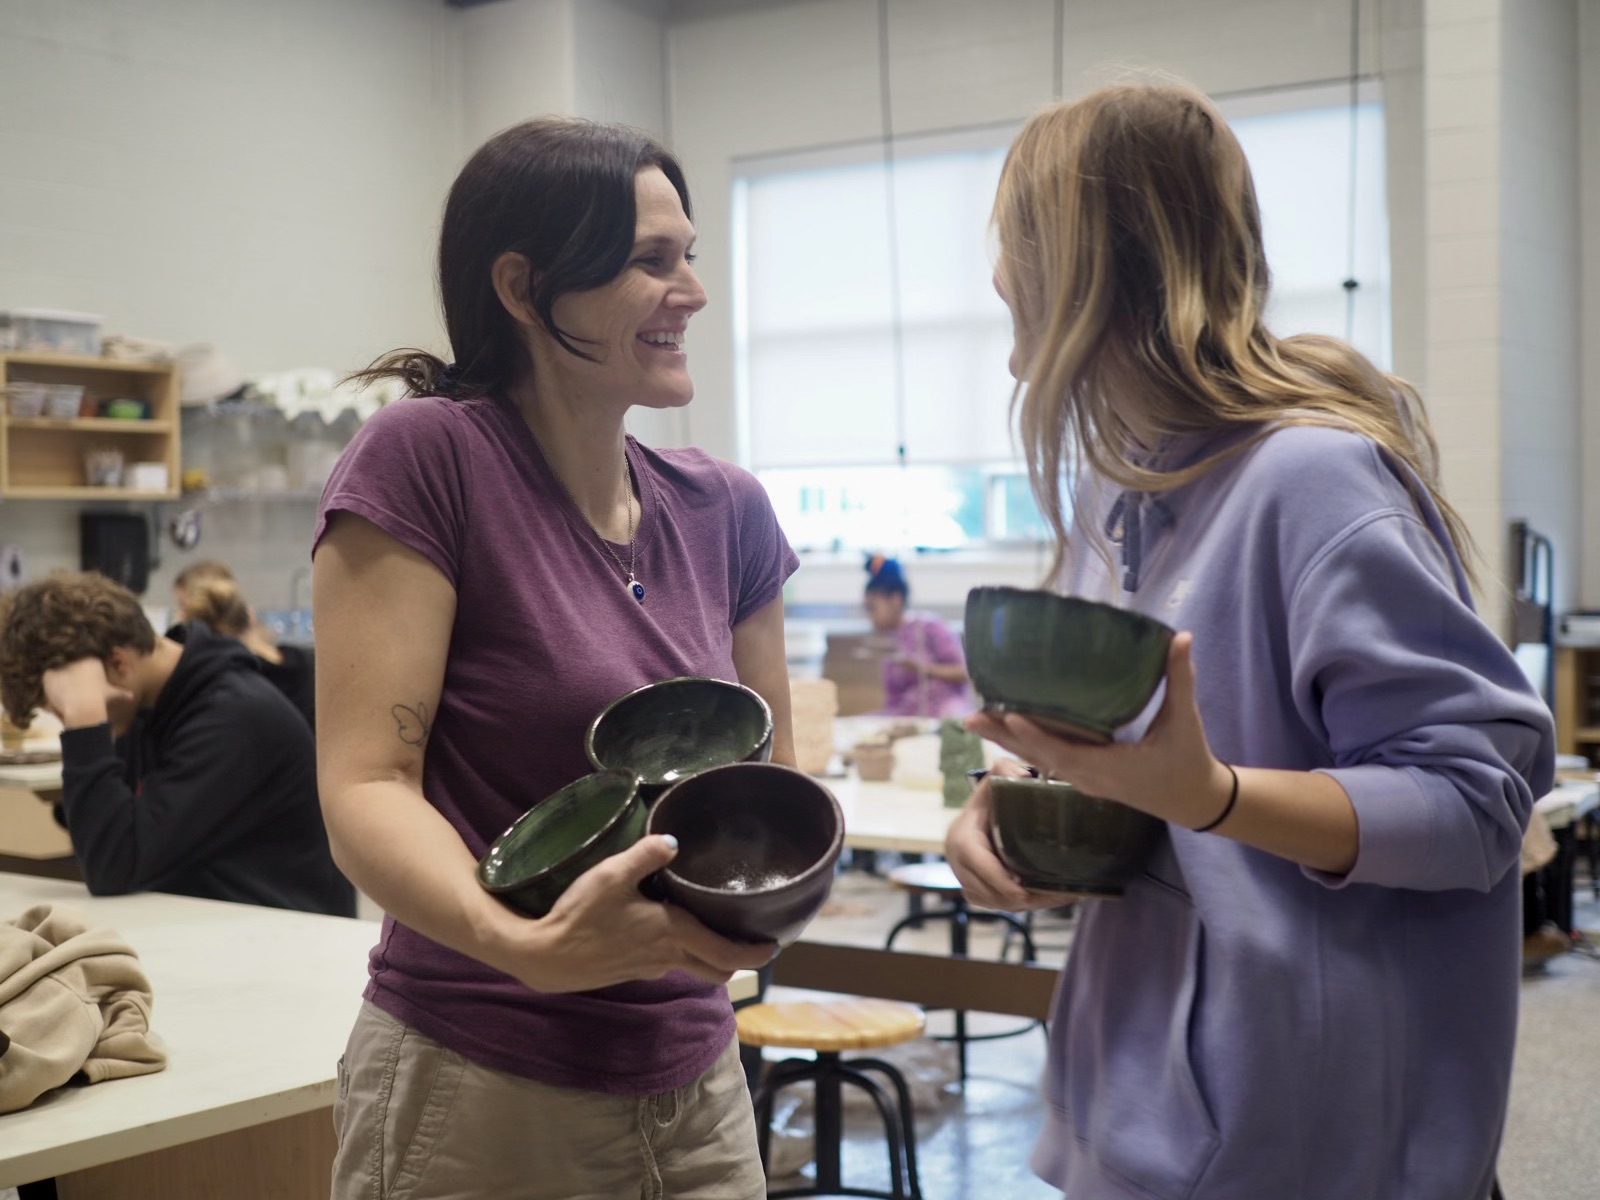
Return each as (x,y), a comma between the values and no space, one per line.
(1311,990)
(495,561)
(927,674)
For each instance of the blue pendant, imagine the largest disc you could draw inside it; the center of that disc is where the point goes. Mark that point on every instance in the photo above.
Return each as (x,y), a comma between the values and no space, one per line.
(637,589)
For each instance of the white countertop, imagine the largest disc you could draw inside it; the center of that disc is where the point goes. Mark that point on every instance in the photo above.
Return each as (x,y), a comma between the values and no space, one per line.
(32,777)
(254,1006)
(1569,802)
(891,816)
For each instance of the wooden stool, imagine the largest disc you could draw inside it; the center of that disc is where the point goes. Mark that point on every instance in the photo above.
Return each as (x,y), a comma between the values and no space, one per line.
(937,879)
(828,1027)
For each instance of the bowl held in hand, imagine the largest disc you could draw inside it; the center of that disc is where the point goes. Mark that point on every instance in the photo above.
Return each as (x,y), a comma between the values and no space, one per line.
(1078,667)
(757,844)
(1055,838)
(667,731)
(561,837)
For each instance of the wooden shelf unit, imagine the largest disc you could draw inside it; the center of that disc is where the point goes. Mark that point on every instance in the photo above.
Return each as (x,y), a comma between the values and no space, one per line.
(43,459)
(1578,701)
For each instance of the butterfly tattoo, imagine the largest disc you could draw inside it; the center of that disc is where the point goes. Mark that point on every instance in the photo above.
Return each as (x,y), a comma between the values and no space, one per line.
(412,722)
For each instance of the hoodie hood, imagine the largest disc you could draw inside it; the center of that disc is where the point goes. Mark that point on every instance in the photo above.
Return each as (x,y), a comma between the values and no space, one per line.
(206,655)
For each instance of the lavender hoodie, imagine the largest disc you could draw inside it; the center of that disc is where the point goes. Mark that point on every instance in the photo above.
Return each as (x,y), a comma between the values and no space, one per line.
(1240,1027)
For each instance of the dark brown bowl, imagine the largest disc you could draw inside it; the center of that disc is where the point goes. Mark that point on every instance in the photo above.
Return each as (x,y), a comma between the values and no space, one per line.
(757,843)
(1055,838)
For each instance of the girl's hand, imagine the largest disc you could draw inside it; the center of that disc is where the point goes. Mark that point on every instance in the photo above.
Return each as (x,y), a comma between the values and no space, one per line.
(1170,773)
(971,855)
(604,931)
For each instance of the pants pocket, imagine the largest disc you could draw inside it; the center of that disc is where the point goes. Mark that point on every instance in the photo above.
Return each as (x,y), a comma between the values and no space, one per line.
(341,1092)
(425,1079)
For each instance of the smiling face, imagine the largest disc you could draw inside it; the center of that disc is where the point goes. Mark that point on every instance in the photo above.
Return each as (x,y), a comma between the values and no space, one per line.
(635,324)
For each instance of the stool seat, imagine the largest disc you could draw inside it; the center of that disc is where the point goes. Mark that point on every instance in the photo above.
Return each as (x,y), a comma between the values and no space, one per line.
(828,1027)
(856,1023)
(926,877)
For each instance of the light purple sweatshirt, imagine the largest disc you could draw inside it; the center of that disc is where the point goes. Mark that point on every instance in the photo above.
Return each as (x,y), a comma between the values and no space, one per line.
(1237,1027)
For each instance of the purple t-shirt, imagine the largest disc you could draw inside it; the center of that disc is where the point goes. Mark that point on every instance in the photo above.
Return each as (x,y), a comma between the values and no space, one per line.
(545,636)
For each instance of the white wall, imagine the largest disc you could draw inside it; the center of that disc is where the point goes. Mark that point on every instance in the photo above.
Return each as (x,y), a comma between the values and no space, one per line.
(1540,370)
(1589,303)
(1462,304)
(621,50)
(261,176)
(516,62)
(266,177)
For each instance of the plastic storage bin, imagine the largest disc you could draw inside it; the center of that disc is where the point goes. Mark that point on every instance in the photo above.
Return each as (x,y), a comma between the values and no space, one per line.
(63,401)
(50,330)
(26,399)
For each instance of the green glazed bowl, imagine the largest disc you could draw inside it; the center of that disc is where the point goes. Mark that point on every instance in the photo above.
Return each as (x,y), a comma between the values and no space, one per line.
(667,731)
(560,838)
(1080,668)
(1055,838)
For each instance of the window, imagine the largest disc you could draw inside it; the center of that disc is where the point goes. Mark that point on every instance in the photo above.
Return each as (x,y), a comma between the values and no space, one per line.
(856,458)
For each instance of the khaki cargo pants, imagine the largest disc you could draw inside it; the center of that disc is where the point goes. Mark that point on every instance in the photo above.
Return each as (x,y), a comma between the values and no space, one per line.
(419,1122)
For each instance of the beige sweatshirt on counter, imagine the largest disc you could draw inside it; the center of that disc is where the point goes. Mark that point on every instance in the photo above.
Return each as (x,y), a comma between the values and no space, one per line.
(74,1001)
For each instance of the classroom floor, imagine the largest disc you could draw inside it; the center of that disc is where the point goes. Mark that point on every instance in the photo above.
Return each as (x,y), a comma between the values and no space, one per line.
(974,1146)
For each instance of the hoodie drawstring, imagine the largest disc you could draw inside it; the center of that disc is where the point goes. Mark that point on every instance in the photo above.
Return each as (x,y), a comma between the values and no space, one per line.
(1125,528)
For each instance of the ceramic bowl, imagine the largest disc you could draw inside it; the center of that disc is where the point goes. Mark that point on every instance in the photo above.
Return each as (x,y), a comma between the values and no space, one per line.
(1055,838)
(1078,667)
(667,731)
(561,837)
(757,843)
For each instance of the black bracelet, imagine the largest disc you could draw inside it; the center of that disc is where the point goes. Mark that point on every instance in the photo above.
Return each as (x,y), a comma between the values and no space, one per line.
(1233,798)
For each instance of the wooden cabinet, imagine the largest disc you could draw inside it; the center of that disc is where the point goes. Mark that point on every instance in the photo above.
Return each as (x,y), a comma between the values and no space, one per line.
(1578,701)
(42,458)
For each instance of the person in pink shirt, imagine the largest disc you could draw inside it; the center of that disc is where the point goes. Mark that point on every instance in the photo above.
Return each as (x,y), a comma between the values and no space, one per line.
(927,675)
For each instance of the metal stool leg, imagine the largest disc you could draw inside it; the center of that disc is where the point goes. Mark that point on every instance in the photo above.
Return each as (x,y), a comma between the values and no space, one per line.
(778,1076)
(830,1122)
(912,921)
(907,1115)
(891,1126)
(959,919)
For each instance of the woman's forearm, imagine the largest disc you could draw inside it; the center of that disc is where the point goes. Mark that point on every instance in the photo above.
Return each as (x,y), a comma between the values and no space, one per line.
(401,853)
(1303,816)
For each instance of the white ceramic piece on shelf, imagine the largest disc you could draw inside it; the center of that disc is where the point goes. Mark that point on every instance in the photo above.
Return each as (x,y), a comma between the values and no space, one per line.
(206,374)
(148,476)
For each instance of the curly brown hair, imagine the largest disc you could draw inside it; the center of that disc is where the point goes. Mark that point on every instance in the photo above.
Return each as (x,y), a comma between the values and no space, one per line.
(58,620)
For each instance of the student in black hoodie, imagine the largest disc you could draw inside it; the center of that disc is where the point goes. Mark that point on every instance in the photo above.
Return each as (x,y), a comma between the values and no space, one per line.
(184,769)
(207,591)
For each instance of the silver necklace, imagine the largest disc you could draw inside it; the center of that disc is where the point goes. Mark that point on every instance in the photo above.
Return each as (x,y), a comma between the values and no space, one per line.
(635,588)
